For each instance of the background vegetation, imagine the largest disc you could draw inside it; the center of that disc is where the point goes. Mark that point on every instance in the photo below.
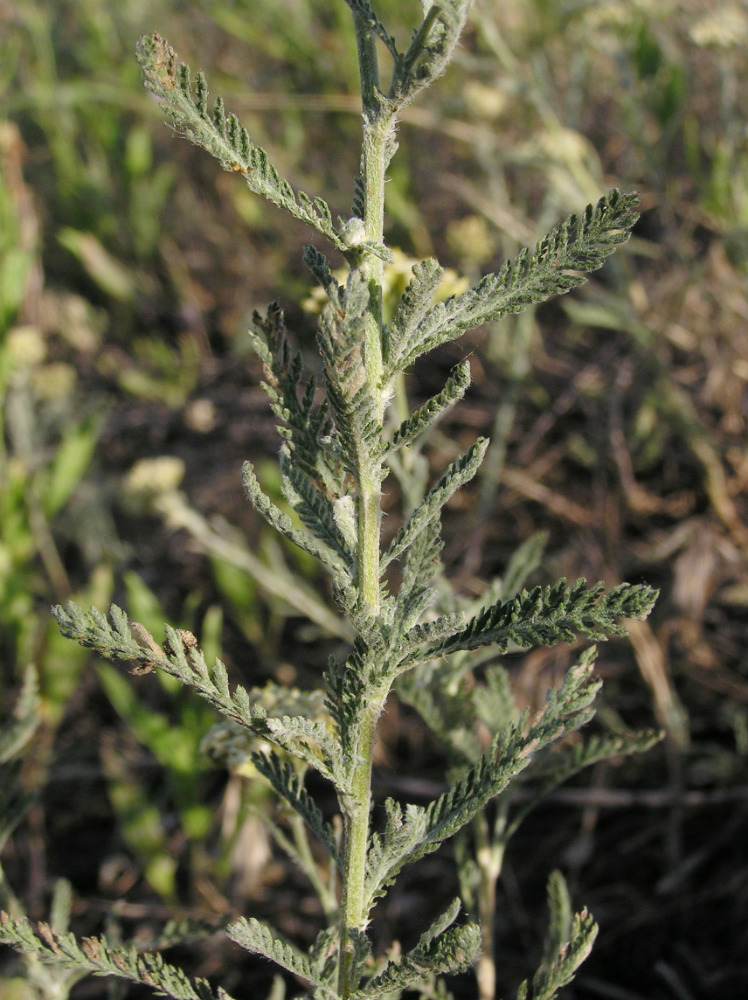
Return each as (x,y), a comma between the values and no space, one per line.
(128,268)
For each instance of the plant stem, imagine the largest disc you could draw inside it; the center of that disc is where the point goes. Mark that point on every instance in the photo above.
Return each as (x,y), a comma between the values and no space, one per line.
(354,913)
(490,857)
(378,136)
(377,147)
(373,168)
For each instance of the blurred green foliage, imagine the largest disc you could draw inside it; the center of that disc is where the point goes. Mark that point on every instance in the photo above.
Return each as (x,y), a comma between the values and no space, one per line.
(173,738)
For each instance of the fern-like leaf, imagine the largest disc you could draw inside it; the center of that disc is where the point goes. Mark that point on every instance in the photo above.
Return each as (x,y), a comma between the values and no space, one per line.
(461,471)
(442,949)
(559,263)
(97,956)
(315,509)
(340,336)
(421,566)
(290,786)
(568,943)
(412,309)
(426,416)
(327,555)
(348,684)
(306,426)
(546,616)
(222,136)
(260,939)
(183,660)
(116,641)
(411,835)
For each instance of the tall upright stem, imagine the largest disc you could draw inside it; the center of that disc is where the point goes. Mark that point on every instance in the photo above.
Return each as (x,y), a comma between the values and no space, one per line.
(378,129)
(378,132)
(377,139)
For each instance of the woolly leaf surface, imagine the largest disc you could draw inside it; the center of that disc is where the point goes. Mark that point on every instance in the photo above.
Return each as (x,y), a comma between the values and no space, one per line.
(461,471)
(98,956)
(559,263)
(260,939)
(222,136)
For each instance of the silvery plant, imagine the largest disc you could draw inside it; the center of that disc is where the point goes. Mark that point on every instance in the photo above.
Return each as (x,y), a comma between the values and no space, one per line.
(413,637)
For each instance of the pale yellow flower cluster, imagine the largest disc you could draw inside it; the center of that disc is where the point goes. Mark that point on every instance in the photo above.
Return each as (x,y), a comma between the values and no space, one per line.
(725,29)
(397,274)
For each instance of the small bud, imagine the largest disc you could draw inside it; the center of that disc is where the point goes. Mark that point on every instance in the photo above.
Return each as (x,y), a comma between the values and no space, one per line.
(353,232)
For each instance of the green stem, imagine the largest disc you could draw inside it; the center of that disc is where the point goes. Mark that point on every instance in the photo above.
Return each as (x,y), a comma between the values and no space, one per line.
(354,912)
(378,138)
(377,146)
(378,135)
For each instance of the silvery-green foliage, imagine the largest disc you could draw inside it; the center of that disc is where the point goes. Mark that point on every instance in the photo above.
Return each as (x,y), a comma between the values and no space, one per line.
(416,638)
(222,135)
(558,263)
(568,942)
(97,956)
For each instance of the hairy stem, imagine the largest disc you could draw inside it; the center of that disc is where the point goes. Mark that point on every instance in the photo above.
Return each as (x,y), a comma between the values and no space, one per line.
(377,142)
(377,146)
(354,914)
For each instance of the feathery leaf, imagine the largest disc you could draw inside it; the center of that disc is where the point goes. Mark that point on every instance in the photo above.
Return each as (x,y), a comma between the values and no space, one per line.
(185,661)
(546,616)
(97,956)
(418,831)
(282,523)
(260,939)
(222,135)
(461,471)
(442,949)
(413,308)
(290,786)
(560,966)
(426,416)
(340,337)
(314,508)
(292,392)
(556,265)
